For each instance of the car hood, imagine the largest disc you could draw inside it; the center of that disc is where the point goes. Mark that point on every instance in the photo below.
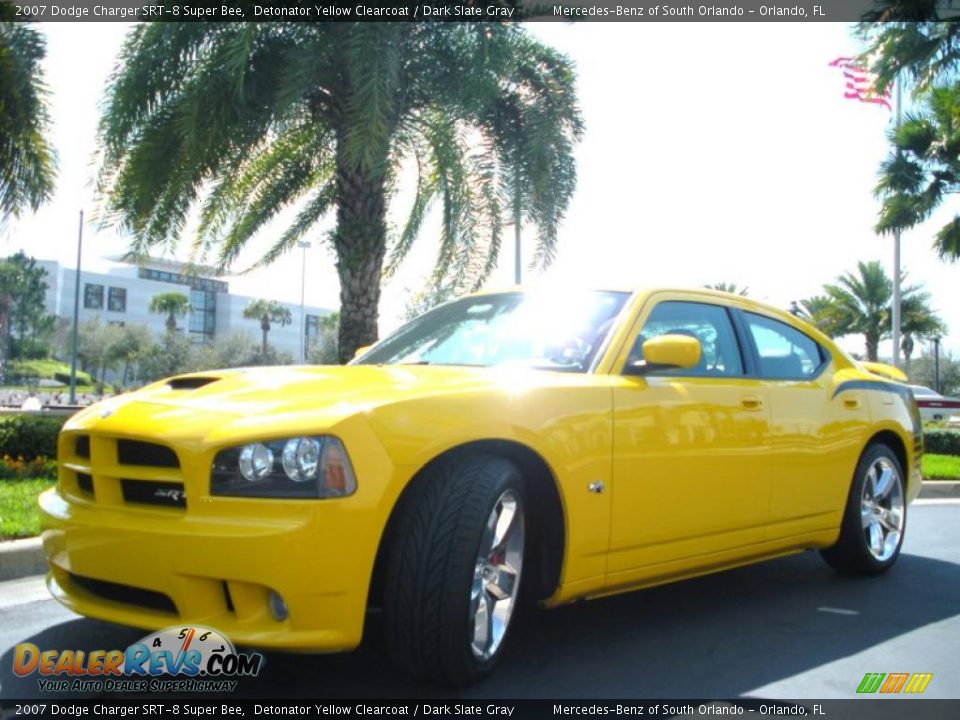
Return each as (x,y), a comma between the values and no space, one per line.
(199,404)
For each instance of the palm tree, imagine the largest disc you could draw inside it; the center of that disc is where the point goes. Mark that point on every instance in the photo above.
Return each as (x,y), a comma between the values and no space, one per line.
(731,288)
(171,304)
(923,169)
(323,117)
(27,162)
(860,304)
(267,312)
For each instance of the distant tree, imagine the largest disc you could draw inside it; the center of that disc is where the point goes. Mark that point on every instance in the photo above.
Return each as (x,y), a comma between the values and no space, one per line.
(860,304)
(28,318)
(132,345)
(234,349)
(27,161)
(171,304)
(267,312)
(323,348)
(172,355)
(922,373)
(98,348)
(731,288)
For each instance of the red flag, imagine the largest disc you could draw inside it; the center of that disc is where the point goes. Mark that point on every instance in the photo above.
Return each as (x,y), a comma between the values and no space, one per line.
(859,83)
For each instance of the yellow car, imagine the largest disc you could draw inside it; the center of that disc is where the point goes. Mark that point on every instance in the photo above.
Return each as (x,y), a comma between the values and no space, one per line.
(551,445)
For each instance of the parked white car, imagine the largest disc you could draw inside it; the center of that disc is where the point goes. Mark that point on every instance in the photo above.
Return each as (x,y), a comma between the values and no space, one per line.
(933,405)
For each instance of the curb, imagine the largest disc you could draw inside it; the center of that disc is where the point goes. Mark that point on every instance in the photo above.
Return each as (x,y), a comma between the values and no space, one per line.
(939,489)
(19,558)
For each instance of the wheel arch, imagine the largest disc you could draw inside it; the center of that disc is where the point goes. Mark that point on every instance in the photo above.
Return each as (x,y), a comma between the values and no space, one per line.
(893,441)
(543,497)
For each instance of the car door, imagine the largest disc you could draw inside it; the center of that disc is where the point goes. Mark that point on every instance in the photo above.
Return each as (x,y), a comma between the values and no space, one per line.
(816,434)
(690,449)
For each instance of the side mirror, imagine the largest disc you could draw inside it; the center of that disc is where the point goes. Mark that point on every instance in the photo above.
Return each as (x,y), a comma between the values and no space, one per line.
(361,350)
(667,352)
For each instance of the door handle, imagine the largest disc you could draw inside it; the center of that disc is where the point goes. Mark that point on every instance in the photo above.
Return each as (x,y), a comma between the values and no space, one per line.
(751,402)
(851,403)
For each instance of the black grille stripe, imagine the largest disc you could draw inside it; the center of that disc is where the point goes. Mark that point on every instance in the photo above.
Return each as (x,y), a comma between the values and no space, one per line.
(126,594)
(135,452)
(85,482)
(82,446)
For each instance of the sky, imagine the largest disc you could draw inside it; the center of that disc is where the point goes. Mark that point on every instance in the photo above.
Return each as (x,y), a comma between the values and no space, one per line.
(713,153)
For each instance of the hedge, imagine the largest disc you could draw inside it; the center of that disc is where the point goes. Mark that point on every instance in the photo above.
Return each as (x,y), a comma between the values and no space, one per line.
(29,436)
(941,442)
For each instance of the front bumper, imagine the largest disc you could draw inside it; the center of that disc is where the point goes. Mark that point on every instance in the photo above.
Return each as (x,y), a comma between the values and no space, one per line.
(216,560)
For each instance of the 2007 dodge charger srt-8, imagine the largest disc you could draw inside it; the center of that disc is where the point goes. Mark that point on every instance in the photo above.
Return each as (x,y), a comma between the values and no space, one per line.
(555,445)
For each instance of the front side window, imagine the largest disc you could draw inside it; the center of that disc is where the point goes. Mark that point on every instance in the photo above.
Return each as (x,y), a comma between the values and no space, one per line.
(551,331)
(785,352)
(93,296)
(709,324)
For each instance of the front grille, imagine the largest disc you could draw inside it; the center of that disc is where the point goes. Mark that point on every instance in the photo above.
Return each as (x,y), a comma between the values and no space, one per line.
(127,594)
(82,446)
(135,452)
(147,492)
(85,482)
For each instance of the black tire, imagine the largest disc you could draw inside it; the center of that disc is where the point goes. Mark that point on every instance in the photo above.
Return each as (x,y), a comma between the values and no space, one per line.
(432,566)
(852,552)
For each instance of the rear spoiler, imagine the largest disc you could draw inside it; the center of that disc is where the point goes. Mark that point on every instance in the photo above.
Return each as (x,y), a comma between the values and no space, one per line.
(885,371)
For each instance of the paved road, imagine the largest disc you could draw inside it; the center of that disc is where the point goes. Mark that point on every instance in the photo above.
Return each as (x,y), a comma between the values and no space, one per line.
(790,628)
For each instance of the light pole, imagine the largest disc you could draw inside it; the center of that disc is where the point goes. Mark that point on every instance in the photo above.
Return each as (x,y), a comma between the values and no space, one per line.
(936,363)
(76,318)
(303,245)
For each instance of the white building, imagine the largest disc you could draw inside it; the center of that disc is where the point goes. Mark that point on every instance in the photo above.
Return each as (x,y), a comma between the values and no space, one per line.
(122,296)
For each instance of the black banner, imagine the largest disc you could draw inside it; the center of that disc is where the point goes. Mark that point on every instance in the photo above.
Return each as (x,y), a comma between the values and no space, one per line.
(449,10)
(180,709)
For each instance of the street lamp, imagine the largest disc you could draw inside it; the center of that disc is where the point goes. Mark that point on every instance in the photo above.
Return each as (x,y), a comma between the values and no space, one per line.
(303,245)
(936,362)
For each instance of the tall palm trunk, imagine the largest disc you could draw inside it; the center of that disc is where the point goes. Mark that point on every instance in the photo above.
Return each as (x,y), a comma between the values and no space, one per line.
(265,329)
(360,242)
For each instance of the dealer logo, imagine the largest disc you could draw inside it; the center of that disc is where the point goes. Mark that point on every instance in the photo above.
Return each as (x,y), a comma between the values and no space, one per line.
(199,657)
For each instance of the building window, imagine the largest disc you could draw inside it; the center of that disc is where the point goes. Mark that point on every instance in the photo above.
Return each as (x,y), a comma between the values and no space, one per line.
(117,300)
(311,328)
(203,315)
(197,283)
(93,296)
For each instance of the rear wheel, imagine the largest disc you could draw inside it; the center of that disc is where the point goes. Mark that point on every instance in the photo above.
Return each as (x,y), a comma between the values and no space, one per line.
(454,569)
(875,517)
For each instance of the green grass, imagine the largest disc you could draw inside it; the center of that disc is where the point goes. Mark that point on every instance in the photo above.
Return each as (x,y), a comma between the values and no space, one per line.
(46,369)
(941,467)
(19,514)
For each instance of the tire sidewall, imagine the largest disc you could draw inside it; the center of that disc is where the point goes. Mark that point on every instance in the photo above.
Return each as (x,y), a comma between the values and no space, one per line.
(508,478)
(852,520)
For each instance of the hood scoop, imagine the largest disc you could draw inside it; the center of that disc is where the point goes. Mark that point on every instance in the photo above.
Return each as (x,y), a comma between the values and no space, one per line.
(189,383)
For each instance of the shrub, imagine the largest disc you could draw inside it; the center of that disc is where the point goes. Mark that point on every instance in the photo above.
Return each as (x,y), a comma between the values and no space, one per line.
(942,442)
(83,378)
(29,436)
(16,468)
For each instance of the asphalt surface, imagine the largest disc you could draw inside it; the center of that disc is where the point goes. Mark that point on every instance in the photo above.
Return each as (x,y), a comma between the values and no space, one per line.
(786,629)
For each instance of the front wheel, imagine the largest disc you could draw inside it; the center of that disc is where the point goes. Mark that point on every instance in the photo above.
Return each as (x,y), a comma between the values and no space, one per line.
(454,569)
(875,517)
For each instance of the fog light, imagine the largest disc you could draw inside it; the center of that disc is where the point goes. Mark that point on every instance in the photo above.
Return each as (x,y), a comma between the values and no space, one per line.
(278,606)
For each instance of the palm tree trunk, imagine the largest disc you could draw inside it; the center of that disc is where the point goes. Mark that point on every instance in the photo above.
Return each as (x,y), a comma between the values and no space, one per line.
(360,242)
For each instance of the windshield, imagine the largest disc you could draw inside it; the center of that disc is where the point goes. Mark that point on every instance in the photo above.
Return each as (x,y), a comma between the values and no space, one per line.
(548,331)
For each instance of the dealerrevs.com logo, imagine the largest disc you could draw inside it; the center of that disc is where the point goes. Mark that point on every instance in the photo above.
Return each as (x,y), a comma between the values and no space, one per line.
(185,659)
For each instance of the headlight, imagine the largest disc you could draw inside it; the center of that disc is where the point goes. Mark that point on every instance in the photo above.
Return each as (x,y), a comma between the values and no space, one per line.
(303,467)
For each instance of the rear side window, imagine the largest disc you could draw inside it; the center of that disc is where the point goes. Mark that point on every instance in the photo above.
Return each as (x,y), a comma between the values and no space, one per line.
(710,324)
(785,353)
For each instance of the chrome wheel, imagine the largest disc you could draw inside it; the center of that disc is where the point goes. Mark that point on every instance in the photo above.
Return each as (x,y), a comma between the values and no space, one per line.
(882,509)
(496,576)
